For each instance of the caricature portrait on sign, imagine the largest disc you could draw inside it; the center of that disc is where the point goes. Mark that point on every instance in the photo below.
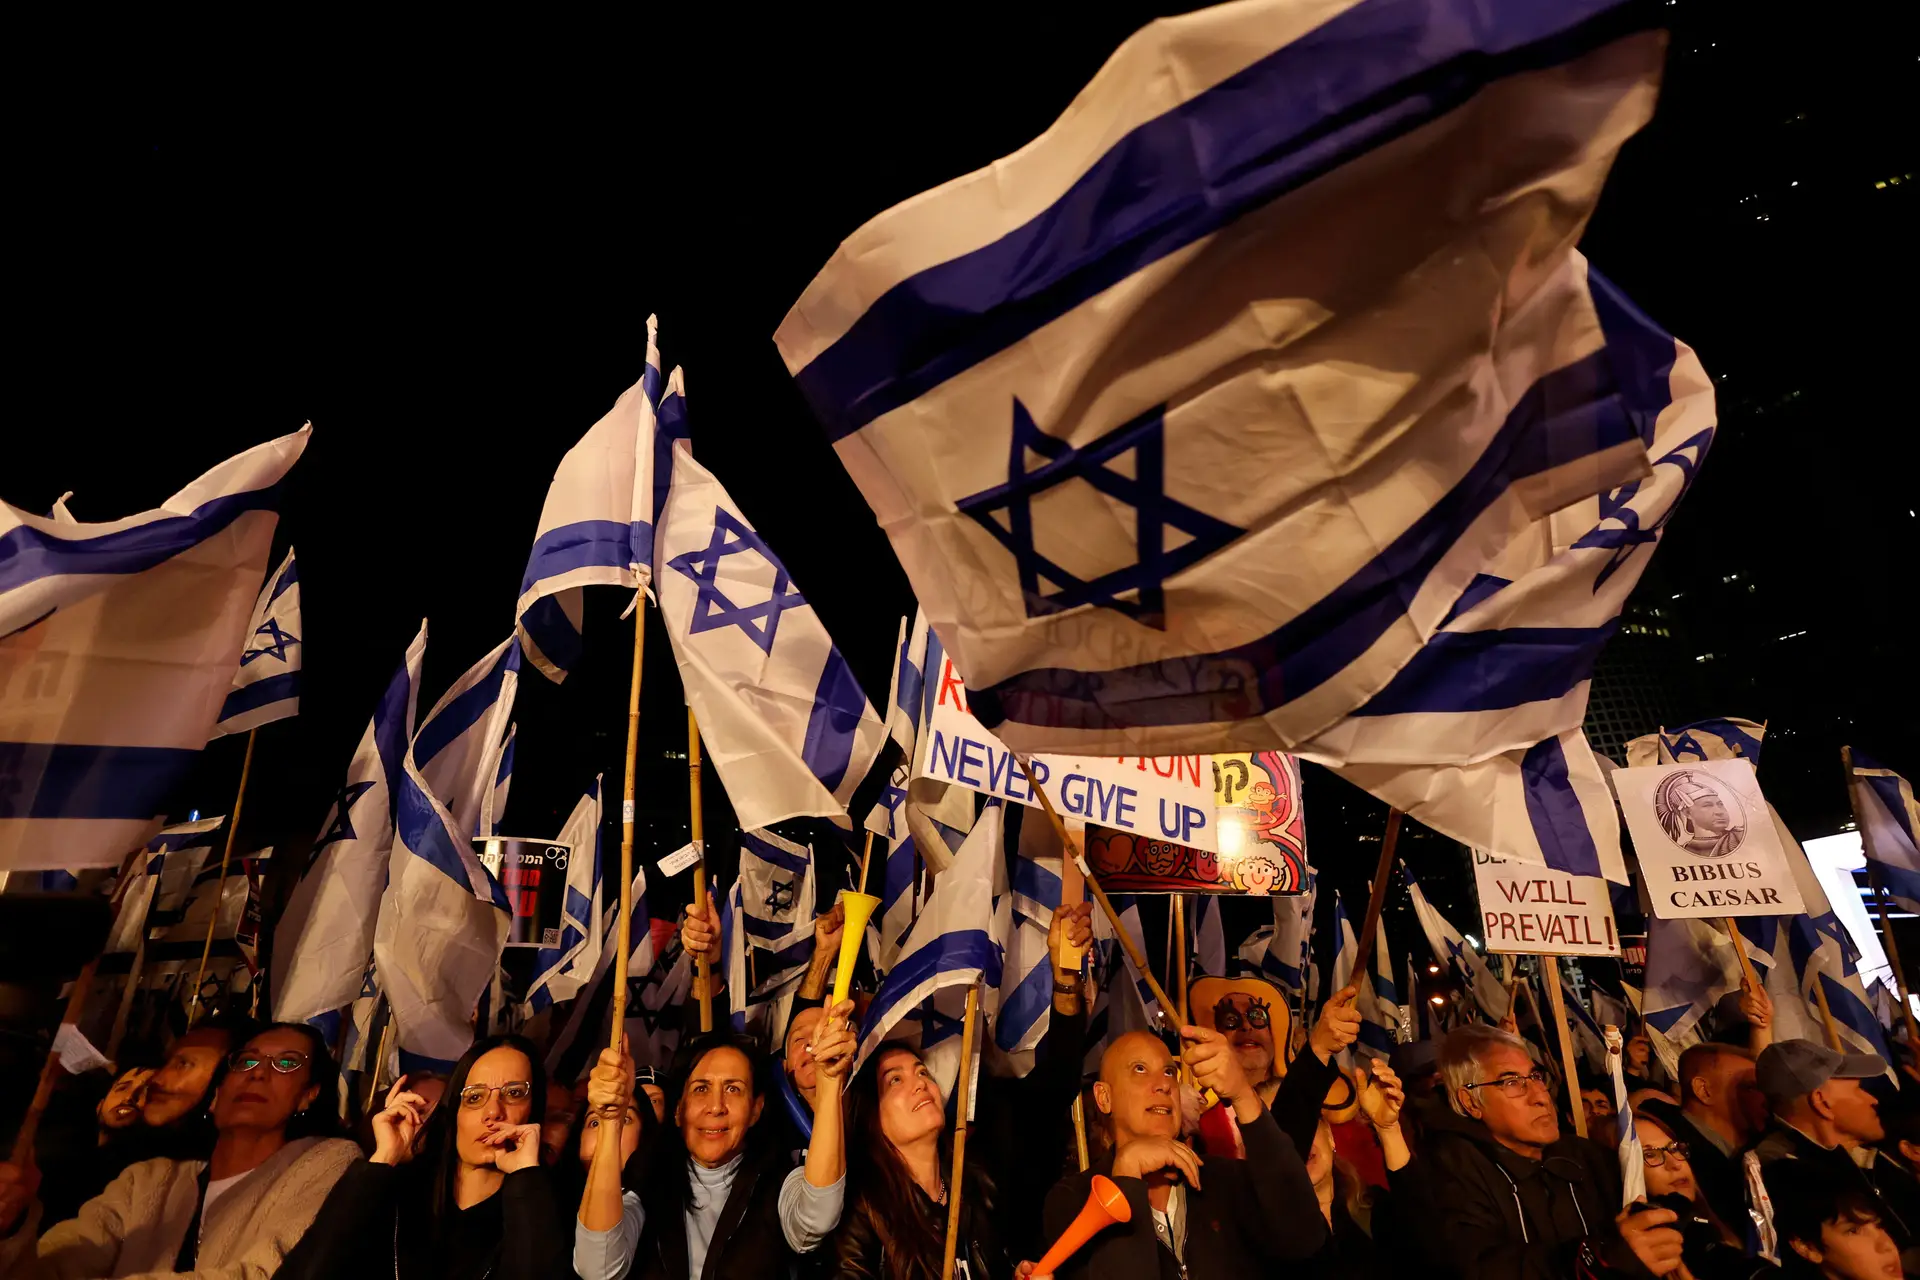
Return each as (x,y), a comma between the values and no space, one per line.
(1698,815)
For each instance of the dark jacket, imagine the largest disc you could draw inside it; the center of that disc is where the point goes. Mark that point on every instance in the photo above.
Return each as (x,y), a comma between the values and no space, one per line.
(1253,1217)
(859,1254)
(374,1224)
(1723,1183)
(1898,1212)
(1387,1244)
(1494,1214)
(748,1240)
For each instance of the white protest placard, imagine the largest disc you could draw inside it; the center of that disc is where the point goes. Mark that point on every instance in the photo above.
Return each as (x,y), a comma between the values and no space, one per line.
(1167,798)
(1536,911)
(1706,844)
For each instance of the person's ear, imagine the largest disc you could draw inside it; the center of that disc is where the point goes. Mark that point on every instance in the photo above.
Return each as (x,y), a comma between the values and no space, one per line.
(1103,1097)
(1701,1090)
(753,1118)
(1820,1102)
(1471,1103)
(1910,1151)
(1806,1251)
(308,1096)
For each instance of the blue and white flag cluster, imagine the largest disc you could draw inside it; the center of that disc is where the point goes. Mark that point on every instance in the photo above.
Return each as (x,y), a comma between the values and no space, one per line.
(1690,965)
(1027,892)
(162,882)
(777,901)
(1379,996)
(560,972)
(1889,821)
(784,720)
(1451,948)
(1260,402)
(267,686)
(1282,953)
(1728,738)
(118,644)
(597,526)
(323,945)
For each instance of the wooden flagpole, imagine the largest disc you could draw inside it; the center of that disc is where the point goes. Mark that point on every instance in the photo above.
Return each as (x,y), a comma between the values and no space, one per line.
(1550,974)
(625,924)
(219,886)
(1377,900)
(1079,1110)
(866,860)
(703,967)
(1179,931)
(960,1104)
(76,1006)
(1901,986)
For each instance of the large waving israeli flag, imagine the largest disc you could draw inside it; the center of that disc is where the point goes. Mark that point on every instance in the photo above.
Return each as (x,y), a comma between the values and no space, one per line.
(267,686)
(783,719)
(1195,418)
(596,528)
(118,644)
(1727,738)
(560,972)
(444,919)
(1889,821)
(323,944)
(1449,947)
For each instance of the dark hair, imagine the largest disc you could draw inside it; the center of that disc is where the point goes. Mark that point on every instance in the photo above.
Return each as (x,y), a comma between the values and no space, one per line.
(1803,1202)
(1698,1059)
(321,1118)
(663,1173)
(885,1194)
(439,1153)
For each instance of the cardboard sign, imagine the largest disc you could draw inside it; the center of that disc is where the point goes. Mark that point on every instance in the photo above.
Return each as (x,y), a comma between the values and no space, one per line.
(1166,798)
(1706,843)
(534,874)
(1263,838)
(1537,911)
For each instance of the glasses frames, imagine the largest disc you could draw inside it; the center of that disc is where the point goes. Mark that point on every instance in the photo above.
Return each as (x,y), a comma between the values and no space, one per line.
(476,1095)
(1228,1018)
(1517,1086)
(1657,1156)
(282,1063)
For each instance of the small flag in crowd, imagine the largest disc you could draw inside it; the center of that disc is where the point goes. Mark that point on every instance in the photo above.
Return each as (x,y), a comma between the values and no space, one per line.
(596,528)
(1633,1168)
(777,896)
(783,719)
(1450,947)
(121,639)
(1379,999)
(560,972)
(267,686)
(158,894)
(1028,887)
(1889,821)
(323,944)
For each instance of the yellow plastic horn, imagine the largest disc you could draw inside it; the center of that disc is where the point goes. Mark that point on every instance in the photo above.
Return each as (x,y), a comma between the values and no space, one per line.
(860,908)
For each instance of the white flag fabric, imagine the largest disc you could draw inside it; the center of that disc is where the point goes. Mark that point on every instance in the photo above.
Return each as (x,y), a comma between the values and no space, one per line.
(777,885)
(162,881)
(596,528)
(493,807)
(1633,1167)
(267,686)
(1449,947)
(1379,999)
(1889,821)
(560,972)
(1193,420)
(461,742)
(951,944)
(1023,1001)
(323,944)
(119,641)
(1690,965)
(781,714)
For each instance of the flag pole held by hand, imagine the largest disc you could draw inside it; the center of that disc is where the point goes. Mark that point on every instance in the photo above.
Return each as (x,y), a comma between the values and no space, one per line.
(219,886)
(960,1109)
(1378,898)
(625,924)
(703,967)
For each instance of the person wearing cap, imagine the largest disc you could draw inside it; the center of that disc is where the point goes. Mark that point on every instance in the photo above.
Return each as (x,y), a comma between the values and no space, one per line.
(1825,1120)
(1246,1012)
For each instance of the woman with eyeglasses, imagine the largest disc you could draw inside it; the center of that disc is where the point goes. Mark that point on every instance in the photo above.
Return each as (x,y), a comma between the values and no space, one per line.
(468,1200)
(1711,1250)
(232,1216)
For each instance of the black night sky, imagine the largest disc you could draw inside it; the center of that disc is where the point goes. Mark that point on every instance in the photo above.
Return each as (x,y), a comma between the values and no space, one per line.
(441,247)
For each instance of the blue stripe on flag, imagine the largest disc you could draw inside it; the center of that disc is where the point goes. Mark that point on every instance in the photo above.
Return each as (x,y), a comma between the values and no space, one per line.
(261,693)
(1333,632)
(1482,586)
(426,837)
(1491,670)
(907,690)
(79,780)
(759,928)
(1375,1036)
(838,704)
(27,554)
(416,1063)
(1851,1013)
(1903,884)
(1559,823)
(1029,879)
(1303,110)
(553,633)
(1663,1020)
(1643,354)
(670,427)
(964,949)
(773,853)
(287,579)
(1028,1003)
(1886,789)
(465,711)
(899,874)
(585,544)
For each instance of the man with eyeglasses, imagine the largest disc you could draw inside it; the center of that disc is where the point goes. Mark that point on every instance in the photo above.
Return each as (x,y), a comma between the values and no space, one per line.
(1509,1198)
(1253,1016)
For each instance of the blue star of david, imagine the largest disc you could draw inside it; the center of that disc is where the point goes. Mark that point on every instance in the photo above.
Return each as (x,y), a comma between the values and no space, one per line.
(342,828)
(935,1026)
(1051,588)
(780,895)
(713,609)
(276,641)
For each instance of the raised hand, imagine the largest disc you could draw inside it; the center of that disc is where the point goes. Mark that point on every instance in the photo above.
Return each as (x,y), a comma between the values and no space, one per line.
(1338,1025)
(1071,931)
(1656,1244)
(516,1147)
(1381,1095)
(398,1124)
(1756,1006)
(834,1042)
(610,1083)
(827,930)
(1639,1053)
(1210,1058)
(1143,1156)
(700,931)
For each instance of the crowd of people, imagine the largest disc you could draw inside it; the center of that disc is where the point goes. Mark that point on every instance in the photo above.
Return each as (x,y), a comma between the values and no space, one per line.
(1241,1147)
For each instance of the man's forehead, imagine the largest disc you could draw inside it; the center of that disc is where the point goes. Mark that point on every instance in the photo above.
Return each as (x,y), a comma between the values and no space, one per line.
(1502,1058)
(1135,1046)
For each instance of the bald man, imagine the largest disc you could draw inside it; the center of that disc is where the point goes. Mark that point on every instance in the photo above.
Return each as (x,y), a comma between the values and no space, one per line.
(1202,1220)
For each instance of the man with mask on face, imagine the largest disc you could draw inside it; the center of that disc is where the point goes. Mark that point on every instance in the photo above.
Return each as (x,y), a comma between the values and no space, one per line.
(1509,1198)
(173,1115)
(1207,1220)
(1246,1012)
(1826,1121)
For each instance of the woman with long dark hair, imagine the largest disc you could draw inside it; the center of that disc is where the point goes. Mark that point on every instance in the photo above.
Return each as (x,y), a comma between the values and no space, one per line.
(473,1202)
(896,1224)
(234,1214)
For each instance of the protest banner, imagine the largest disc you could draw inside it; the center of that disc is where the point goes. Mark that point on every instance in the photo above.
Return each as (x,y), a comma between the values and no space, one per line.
(1167,799)
(1537,911)
(534,874)
(1706,844)
(1262,837)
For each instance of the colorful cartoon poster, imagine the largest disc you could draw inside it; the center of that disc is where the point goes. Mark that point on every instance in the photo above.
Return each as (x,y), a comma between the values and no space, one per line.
(1263,838)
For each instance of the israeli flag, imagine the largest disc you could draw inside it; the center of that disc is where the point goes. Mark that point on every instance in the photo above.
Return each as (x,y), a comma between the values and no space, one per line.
(1449,946)
(1586,1032)
(162,882)
(1690,965)
(642,977)
(1193,420)
(783,718)
(777,901)
(1727,738)
(952,944)
(1633,1167)
(323,944)
(1282,952)
(1379,999)
(1028,893)
(120,640)
(1889,821)
(560,972)
(267,686)
(596,528)
(493,807)
(443,922)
